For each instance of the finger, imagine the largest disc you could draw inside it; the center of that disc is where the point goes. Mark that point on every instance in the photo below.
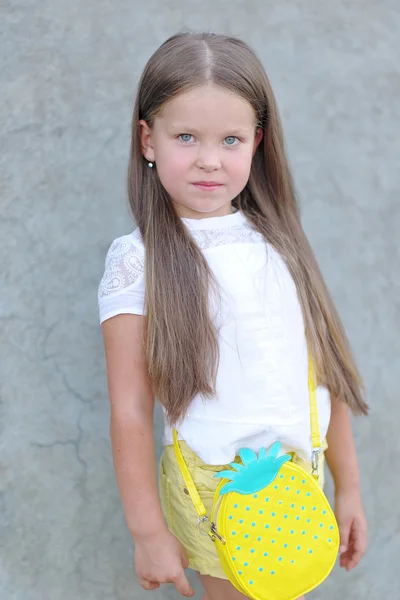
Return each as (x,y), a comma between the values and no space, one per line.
(185,560)
(149,585)
(356,552)
(183,586)
(344,559)
(360,542)
(344,530)
(354,560)
(360,538)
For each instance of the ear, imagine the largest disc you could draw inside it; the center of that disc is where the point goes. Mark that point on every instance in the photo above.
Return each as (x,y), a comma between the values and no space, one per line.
(258,137)
(146,140)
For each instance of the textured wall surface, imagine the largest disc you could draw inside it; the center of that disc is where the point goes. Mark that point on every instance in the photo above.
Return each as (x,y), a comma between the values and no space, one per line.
(68,75)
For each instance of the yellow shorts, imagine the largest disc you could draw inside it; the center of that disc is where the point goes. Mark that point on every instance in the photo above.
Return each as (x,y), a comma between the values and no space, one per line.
(180,513)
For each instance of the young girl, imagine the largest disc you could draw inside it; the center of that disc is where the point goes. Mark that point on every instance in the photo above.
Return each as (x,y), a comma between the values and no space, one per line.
(210,305)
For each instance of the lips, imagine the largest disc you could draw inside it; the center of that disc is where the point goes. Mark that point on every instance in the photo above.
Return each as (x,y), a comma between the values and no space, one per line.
(207,185)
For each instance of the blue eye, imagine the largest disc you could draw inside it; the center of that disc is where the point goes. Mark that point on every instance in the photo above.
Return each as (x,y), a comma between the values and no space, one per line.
(231,140)
(185,137)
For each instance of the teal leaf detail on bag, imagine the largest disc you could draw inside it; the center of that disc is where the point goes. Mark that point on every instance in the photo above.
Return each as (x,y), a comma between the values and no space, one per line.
(255,473)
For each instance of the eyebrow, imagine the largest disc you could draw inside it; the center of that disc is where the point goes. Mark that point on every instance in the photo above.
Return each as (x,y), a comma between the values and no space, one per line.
(183,128)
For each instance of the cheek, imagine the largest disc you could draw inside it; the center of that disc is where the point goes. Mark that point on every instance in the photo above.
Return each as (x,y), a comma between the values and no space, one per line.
(172,165)
(239,165)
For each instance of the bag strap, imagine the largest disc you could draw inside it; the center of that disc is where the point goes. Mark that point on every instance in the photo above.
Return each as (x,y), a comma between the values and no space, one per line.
(312,391)
(188,479)
(314,421)
(315,440)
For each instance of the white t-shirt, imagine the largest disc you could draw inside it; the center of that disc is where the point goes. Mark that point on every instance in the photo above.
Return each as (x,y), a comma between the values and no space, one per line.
(262,382)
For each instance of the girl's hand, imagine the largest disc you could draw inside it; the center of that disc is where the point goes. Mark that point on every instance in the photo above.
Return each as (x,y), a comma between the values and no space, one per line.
(161,558)
(352,526)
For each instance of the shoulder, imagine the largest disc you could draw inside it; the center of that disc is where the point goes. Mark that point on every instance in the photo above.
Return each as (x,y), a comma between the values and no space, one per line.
(124,264)
(122,287)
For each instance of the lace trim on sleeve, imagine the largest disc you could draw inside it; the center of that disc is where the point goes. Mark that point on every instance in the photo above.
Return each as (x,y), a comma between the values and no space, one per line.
(124,265)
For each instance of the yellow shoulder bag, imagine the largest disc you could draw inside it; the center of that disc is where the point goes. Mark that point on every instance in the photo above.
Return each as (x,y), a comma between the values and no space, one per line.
(274,530)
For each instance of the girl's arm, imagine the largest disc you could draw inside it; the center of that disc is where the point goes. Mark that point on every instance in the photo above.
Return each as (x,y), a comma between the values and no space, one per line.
(159,557)
(341,454)
(131,426)
(342,462)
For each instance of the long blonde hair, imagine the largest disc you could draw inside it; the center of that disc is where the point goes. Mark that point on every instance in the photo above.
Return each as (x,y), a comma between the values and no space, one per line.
(181,341)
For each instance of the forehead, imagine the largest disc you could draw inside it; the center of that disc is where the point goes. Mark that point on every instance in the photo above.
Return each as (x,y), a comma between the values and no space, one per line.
(210,107)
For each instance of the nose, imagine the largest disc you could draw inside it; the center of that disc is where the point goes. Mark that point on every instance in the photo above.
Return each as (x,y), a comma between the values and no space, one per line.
(208,159)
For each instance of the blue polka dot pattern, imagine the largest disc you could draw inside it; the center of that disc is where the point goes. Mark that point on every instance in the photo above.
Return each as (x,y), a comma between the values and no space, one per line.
(284,521)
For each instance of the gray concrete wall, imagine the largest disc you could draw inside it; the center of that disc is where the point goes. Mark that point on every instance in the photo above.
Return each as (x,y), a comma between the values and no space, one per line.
(68,74)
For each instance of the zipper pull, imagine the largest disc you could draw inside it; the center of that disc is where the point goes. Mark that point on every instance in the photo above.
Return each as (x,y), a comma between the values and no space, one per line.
(213,533)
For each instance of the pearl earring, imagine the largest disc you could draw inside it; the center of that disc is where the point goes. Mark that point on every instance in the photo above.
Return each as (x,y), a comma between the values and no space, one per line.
(150,164)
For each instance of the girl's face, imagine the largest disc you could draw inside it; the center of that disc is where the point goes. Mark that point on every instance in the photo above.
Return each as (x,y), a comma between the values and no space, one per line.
(203,142)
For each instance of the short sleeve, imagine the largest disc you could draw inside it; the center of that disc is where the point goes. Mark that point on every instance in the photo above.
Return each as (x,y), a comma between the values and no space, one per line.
(121,290)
